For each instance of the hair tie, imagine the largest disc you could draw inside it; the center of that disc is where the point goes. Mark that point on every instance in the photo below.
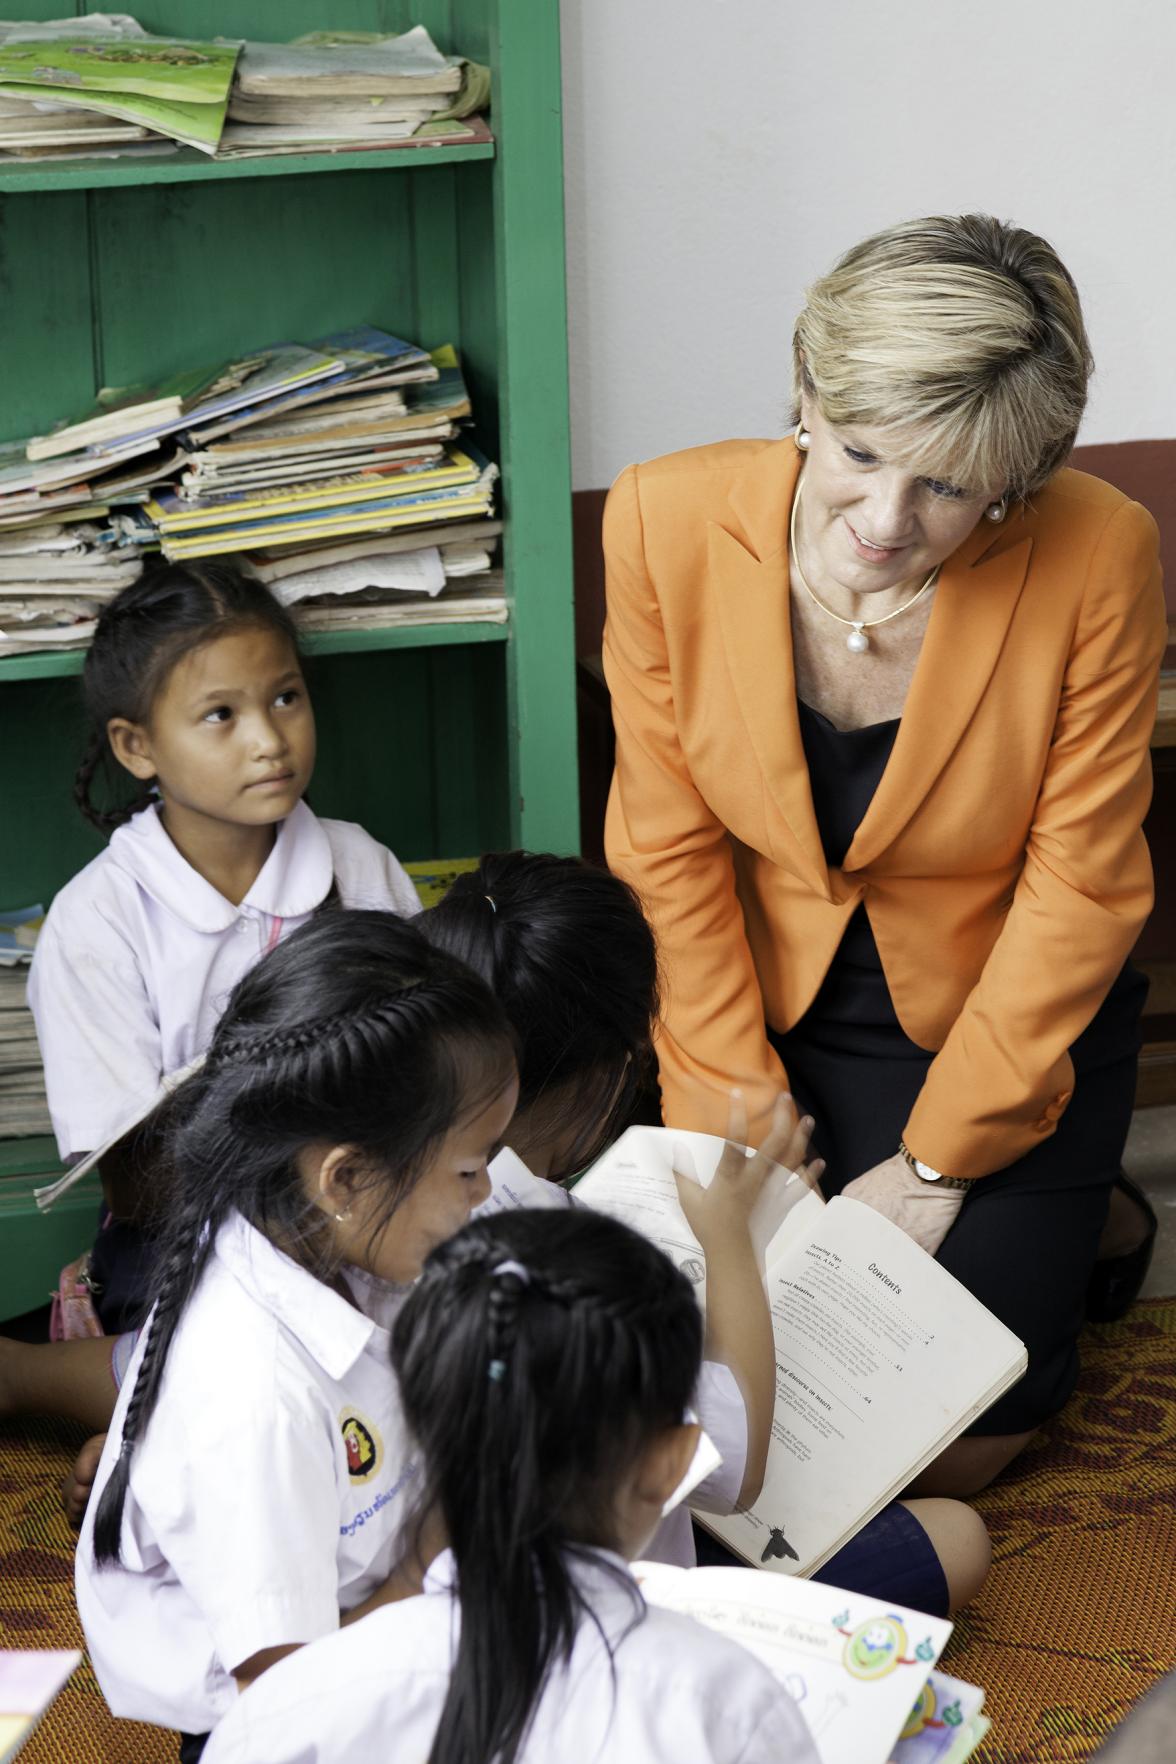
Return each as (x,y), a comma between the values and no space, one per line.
(493,908)
(515,1268)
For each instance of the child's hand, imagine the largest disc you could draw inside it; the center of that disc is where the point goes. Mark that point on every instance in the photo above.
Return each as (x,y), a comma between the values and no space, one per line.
(724,1208)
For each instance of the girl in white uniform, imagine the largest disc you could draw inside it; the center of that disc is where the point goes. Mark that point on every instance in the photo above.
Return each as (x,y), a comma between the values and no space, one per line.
(546,1362)
(567,950)
(195,696)
(252,1485)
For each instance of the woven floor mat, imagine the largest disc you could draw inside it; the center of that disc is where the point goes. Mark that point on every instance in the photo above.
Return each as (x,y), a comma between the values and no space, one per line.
(1079,1614)
(1074,1625)
(37,1607)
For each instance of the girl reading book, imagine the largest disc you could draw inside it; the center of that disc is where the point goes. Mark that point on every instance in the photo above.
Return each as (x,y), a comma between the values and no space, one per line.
(546,1364)
(567,950)
(196,698)
(257,1469)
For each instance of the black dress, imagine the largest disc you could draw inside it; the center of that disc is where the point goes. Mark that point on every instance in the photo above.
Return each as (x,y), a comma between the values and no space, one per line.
(1025,1239)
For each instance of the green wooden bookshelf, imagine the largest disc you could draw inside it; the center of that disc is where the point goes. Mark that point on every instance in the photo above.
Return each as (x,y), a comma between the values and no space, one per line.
(441,739)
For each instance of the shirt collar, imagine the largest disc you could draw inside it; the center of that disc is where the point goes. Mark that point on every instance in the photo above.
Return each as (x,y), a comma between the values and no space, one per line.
(333,1332)
(295,878)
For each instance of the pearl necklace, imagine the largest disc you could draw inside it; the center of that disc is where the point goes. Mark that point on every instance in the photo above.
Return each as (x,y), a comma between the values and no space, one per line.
(857,641)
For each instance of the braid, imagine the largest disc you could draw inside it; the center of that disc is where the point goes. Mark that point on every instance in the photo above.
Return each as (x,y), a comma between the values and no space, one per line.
(189,1243)
(106,820)
(352,1032)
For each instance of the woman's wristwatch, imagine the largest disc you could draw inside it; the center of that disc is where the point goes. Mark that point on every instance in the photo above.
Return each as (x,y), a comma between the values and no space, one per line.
(926,1173)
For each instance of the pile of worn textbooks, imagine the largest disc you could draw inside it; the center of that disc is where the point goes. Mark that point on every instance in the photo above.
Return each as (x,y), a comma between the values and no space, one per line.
(336,468)
(103,86)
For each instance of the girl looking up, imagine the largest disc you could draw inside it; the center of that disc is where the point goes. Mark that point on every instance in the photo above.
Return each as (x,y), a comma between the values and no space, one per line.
(546,1363)
(202,743)
(257,1469)
(567,950)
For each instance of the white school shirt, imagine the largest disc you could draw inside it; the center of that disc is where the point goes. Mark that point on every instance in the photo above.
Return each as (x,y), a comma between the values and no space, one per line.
(266,1493)
(673,1692)
(718,1402)
(137,957)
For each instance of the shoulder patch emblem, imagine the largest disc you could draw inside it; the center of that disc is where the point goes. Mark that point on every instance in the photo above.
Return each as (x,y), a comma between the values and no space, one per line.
(363,1445)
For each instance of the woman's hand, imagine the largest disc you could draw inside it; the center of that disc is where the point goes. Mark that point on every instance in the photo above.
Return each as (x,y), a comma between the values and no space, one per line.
(924,1210)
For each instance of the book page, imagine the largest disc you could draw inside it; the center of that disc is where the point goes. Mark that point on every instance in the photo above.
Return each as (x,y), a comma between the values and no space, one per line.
(634,1181)
(945,1726)
(512,1185)
(882,1357)
(854,1665)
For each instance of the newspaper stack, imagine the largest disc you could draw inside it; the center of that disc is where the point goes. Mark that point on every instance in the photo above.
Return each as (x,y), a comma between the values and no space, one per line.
(23,1109)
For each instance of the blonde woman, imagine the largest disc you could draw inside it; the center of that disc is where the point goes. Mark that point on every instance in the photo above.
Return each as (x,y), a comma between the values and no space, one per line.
(883,693)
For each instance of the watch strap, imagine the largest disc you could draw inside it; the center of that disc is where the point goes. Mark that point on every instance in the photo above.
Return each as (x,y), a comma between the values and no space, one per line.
(925,1173)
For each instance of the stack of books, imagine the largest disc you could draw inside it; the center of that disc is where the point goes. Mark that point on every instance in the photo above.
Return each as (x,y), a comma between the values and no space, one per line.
(23,1109)
(105,86)
(336,466)
(329,91)
(165,90)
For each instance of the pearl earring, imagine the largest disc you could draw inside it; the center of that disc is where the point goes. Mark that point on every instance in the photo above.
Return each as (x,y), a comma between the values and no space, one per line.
(802,438)
(996,511)
(342,1218)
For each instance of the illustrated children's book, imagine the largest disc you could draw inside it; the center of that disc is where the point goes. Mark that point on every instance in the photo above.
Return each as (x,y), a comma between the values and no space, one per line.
(177,87)
(862,1671)
(882,1357)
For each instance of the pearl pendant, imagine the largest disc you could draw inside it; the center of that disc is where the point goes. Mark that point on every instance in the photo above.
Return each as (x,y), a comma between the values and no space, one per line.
(857,641)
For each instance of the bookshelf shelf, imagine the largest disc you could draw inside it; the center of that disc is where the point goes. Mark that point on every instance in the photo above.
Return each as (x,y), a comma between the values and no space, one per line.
(61,664)
(456,737)
(187,166)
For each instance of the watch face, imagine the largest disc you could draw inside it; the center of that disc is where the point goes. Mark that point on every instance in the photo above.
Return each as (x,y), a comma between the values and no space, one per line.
(926,1172)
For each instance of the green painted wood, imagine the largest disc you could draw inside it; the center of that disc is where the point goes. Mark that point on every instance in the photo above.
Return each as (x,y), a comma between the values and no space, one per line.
(449,740)
(533,414)
(414,637)
(36,1155)
(46,665)
(187,166)
(36,1246)
(45,840)
(241,270)
(46,350)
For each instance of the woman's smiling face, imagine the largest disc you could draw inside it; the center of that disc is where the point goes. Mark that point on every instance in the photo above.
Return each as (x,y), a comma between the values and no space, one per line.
(866,523)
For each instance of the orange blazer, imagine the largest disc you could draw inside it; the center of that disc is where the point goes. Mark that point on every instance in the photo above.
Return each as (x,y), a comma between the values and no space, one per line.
(1001,862)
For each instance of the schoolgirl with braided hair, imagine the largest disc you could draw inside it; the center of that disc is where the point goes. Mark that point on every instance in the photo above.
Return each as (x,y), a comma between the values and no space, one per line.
(546,1364)
(201,745)
(567,950)
(257,1469)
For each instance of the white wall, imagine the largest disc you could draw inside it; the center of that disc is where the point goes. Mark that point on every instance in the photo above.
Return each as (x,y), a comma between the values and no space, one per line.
(720,154)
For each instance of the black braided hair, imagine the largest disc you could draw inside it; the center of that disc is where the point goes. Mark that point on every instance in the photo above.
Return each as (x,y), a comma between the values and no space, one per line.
(567,950)
(140,636)
(532,1395)
(355,1032)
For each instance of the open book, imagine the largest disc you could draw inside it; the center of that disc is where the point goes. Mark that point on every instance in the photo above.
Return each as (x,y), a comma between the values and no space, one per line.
(863,1672)
(882,1357)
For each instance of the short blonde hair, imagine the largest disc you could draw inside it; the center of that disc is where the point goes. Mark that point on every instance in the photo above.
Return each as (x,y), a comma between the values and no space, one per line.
(960,336)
